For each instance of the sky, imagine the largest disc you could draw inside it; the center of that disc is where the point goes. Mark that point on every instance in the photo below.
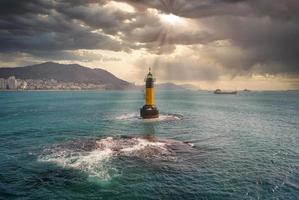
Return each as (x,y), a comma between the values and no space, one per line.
(227,44)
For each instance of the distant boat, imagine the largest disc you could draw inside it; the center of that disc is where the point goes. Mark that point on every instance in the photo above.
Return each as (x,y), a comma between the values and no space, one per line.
(246,90)
(218,91)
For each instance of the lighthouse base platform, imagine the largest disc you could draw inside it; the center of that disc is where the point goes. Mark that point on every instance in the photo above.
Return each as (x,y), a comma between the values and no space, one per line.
(149,112)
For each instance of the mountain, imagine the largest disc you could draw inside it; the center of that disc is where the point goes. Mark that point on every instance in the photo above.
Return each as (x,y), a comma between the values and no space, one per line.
(66,73)
(169,86)
(190,87)
(162,86)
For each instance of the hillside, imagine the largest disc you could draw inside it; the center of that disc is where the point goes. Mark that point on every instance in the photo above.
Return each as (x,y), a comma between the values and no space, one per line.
(169,86)
(190,87)
(163,86)
(66,73)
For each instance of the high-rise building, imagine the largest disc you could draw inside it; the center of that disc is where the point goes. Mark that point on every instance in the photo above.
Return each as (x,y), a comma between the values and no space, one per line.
(12,82)
(2,83)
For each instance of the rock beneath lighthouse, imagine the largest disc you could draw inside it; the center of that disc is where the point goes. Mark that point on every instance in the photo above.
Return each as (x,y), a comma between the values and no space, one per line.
(149,112)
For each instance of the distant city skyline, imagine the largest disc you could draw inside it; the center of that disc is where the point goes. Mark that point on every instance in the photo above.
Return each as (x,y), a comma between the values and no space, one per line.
(227,44)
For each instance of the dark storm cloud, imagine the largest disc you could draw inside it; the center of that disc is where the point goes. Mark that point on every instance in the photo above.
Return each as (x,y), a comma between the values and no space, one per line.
(283,9)
(268,46)
(17,7)
(96,16)
(265,31)
(66,25)
(38,25)
(57,41)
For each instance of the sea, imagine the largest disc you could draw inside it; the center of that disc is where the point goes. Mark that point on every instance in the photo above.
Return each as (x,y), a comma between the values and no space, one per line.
(94,145)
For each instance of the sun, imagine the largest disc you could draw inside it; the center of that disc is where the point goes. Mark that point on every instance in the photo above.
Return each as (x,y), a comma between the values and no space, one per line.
(170,19)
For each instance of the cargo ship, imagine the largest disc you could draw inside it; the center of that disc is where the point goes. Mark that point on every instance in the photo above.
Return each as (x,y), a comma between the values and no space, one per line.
(218,91)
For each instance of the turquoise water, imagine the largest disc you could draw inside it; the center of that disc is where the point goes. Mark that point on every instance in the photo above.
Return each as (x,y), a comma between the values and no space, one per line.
(92,145)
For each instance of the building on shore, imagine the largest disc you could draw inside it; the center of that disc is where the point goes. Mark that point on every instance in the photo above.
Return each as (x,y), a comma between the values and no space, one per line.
(12,83)
(3,83)
(21,84)
(31,84)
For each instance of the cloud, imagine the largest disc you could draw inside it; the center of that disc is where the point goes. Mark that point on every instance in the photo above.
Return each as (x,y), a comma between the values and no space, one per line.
(266,32)
(15,7)
(180,69)
(227,37)
(96,16)
(260,45)
(31,27)
(183,66)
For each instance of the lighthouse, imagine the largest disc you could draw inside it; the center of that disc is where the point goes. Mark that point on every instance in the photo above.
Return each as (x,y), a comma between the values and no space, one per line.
(149,110)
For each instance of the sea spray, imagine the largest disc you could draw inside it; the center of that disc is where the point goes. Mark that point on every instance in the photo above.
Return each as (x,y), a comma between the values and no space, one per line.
(94,156)
(162,117)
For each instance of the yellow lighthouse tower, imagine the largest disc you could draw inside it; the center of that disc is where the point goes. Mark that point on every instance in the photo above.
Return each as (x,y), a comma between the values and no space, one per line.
(149,110)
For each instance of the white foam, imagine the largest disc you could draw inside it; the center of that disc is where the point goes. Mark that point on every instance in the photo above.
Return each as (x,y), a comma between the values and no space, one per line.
(95,161)
(166,117)
(142,144)
(136,117)
(127,116)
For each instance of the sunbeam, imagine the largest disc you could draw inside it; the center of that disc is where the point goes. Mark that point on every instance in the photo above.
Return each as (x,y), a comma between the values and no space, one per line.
(170,19)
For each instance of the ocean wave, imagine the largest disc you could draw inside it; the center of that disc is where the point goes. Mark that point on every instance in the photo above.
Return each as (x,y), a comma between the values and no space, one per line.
(162,117)
(94,156)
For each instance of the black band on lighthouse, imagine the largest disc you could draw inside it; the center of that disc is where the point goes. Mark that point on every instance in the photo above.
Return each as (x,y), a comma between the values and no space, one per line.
(149,83)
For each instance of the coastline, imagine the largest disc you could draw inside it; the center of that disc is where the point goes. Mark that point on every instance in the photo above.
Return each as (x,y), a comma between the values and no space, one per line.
(49,90)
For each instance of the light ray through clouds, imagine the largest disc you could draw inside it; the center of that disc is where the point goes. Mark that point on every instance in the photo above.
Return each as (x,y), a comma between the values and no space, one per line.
(208,43)
(170,23)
